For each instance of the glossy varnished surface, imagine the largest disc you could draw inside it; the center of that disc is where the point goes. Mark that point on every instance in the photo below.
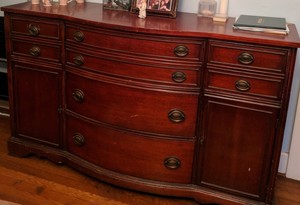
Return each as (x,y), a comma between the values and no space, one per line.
(185,24)
(140,131)
(34,181)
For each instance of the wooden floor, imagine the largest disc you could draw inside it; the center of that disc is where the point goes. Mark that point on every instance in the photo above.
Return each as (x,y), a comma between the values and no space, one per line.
(35,181)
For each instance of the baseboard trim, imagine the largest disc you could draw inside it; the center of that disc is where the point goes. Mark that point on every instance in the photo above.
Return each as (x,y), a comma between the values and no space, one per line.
(283,162)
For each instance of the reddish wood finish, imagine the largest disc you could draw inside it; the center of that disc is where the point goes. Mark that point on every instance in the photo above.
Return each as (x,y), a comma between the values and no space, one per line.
(182,107)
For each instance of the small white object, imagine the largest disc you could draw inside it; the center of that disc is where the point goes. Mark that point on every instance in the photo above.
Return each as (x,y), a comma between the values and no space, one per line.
(142,9)
(222,15)
(35,1)
(64,2)
(223,7)
(207,8)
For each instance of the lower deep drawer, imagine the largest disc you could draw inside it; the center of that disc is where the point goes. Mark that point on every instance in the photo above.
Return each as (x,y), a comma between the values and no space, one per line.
(127,153)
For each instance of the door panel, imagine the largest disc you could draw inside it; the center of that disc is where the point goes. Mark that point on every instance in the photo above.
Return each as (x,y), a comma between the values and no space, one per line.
(37,92)
(238,140)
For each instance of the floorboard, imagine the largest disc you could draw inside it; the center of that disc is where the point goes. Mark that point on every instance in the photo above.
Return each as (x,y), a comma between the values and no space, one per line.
(36,181)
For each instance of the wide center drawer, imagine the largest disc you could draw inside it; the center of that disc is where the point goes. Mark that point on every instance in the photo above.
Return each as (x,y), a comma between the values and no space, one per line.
(131,107)
(137,45)
(148,158)
(177,74)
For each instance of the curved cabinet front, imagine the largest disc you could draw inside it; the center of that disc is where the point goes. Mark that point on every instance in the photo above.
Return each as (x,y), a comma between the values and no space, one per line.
(181,107)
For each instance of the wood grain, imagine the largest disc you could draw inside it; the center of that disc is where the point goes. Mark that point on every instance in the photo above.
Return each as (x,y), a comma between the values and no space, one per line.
(36,181)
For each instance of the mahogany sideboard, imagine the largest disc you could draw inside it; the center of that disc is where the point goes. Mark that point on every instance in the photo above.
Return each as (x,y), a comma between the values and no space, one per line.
(182,107)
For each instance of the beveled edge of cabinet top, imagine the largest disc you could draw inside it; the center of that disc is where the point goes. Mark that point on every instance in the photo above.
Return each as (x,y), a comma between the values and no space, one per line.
(186,24)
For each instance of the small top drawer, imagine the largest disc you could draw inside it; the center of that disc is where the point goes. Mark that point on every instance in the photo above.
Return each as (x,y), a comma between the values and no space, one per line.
(137,45)
(248,56)
(37,27)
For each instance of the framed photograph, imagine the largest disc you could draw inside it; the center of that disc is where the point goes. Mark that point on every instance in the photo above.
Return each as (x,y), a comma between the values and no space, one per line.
(117,4)
(164,8)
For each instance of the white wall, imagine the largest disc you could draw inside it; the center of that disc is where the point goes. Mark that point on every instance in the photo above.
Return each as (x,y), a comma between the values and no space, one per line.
(9,2)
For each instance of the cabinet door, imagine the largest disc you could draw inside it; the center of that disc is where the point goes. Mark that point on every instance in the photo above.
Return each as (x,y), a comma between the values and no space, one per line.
(237,140)
(36,102)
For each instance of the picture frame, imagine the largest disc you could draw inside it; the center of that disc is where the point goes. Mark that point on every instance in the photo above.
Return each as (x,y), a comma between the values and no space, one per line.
(117,4)
(163,8)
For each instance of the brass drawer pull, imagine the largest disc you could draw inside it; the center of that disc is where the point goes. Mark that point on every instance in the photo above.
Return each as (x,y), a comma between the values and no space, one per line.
(176,116)
(172,163)
(178,77)
(78,60)
(242,85)
(78,36)
(78,139)
(34,30)
(246,58)
(181,51)
(78,95)
(35,51)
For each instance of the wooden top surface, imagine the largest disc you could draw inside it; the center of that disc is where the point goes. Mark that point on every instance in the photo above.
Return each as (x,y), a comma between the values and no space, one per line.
(185,24)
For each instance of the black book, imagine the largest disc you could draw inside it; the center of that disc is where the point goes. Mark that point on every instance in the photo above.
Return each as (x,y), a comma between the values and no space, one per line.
(261,22)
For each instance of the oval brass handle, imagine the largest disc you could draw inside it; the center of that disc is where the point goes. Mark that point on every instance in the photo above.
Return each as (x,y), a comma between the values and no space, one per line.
(242,85)
(78,139)
(176,116)
(35,51)
(172,163)
(78,36)
(178,77)
(246,58)
(181,51)
(78,60)
(34,30)
(78,95)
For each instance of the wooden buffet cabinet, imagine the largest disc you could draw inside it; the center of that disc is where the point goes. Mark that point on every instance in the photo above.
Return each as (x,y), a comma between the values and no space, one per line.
(182,107)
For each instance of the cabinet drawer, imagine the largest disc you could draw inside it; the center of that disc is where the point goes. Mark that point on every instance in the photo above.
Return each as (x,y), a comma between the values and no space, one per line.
(248,57)
(136,45)
(36,27)
(176,74)
(36,50)
(126,153)
(132,106)
(250,85)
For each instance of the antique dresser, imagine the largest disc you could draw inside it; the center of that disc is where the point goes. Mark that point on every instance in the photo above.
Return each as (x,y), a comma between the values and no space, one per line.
(180,107)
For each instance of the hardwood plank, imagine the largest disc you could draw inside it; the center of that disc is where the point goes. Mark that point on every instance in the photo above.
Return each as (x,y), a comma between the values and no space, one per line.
(36,181)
